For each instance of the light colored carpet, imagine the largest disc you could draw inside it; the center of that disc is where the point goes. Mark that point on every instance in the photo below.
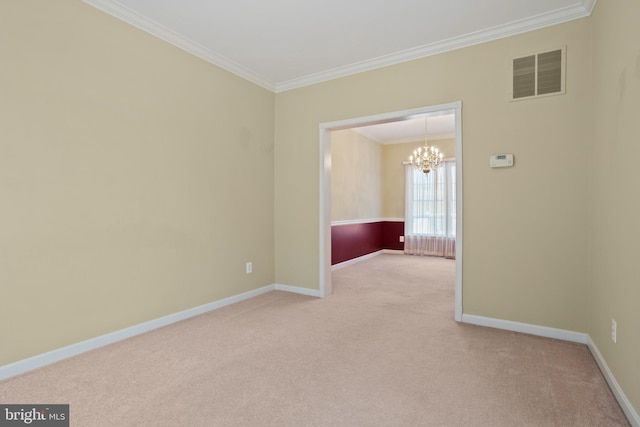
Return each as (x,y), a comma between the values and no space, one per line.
(384,350)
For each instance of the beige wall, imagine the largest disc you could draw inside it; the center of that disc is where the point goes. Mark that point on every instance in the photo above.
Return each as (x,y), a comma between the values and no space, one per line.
(136,179)
(513,268)
(356,179)
(393,172)
(614,229)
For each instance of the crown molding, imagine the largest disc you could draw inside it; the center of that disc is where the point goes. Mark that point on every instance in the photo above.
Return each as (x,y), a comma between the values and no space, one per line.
(501,31)
(589,5)
(147,25)
(114,8)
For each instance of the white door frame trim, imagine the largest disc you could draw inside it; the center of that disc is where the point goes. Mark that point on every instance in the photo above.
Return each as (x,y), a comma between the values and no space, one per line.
(325,187)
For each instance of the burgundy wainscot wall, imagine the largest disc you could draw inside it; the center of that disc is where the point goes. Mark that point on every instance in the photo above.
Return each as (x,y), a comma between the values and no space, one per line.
(349,241)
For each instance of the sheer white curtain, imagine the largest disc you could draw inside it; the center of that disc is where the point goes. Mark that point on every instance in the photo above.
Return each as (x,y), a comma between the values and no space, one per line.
(430,211)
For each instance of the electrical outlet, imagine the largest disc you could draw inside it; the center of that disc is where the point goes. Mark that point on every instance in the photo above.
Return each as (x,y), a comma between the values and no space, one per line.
(249,267)
(401,239)
(614,330)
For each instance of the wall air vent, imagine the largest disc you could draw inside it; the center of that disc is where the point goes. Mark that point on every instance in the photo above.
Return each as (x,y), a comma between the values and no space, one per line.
(539,75)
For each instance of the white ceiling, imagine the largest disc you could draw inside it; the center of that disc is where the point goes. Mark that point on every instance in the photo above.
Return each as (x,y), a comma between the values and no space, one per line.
(284,44)
(439,126)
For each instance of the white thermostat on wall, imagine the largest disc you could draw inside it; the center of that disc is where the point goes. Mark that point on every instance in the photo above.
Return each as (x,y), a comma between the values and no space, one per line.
(501,161)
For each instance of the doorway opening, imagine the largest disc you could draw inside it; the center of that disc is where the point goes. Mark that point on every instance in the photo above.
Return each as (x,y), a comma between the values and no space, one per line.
(325,186)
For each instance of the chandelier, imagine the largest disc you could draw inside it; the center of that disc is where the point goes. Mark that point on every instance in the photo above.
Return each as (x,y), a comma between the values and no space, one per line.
(426,158)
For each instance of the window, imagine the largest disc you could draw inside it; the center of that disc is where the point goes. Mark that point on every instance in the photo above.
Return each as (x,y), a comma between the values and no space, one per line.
(430,211)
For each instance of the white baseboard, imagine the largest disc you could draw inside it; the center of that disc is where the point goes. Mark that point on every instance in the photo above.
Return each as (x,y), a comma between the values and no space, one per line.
(627,407)
(525,328)
(298,290)
(393,251)
(57,355)
(355,260)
